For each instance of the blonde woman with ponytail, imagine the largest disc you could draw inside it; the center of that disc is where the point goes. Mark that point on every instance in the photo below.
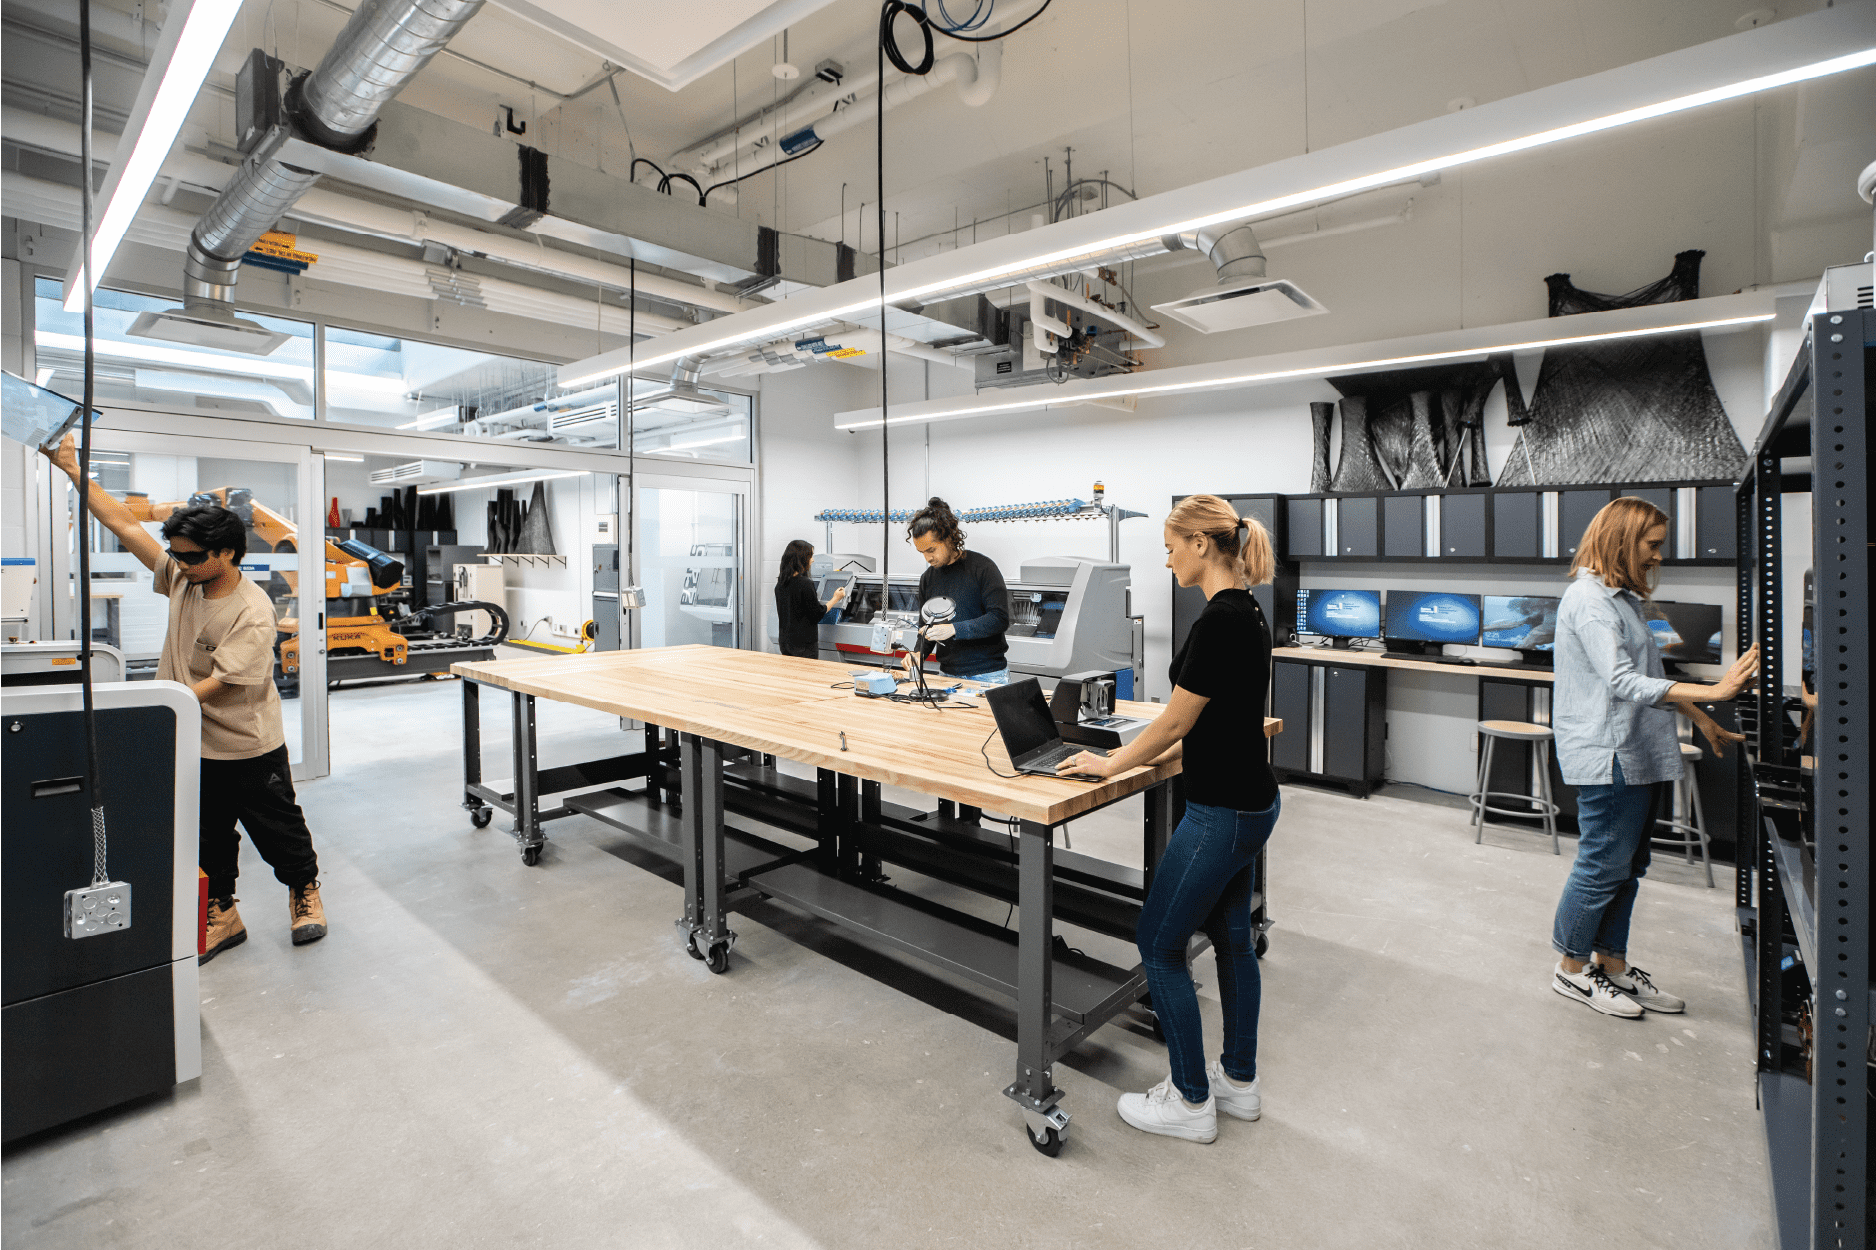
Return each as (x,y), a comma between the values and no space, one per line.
(1214,723)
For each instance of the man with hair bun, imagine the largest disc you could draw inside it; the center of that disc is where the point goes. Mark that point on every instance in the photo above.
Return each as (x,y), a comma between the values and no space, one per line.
(220,643)
(971,643)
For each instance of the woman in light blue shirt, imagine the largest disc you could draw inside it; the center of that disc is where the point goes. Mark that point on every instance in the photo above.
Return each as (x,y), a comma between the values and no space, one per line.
(1612,710)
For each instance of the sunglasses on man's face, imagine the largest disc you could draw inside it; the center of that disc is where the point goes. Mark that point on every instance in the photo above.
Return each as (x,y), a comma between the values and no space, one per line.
(189,558)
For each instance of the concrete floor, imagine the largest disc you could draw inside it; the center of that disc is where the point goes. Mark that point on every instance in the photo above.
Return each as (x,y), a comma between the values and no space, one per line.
(483,1054)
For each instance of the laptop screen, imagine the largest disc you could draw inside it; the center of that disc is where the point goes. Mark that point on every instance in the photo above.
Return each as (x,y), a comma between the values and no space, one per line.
(1022,716)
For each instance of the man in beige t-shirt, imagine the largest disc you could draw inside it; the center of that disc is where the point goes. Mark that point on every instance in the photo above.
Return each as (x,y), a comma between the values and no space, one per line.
(220,643)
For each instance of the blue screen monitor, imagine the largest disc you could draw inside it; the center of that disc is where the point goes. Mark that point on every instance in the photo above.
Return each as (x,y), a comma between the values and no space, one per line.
(1339,613)
(1687,633)
(1419,616)
(1521,622)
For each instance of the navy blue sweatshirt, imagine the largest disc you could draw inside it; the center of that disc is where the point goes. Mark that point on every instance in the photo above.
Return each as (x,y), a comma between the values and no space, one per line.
(975,584)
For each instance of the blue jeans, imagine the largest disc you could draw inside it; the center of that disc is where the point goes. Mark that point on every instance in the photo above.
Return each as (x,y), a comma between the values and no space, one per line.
(1204,882)
(1613,823)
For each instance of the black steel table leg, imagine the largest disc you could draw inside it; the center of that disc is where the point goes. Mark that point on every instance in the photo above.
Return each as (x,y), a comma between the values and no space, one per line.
(1034,1088)
(870,867)
(654,759)
(527,781)
(828,817)
(472,753)
(701,776)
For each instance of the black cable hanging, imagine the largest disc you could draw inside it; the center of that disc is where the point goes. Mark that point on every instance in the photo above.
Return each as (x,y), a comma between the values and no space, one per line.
(93,786)
(891,9)
(1001,34)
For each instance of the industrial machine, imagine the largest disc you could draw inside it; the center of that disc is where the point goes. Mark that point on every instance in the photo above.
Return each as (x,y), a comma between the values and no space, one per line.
(1068,615)
(90,1024)
(55,663)
(362,637)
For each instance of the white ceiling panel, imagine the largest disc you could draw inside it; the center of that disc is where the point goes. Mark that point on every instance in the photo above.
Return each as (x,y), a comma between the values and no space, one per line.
(671,44)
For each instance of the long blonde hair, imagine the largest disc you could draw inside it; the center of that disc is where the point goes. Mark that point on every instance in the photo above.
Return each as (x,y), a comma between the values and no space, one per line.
(1608,547)
(1243,539)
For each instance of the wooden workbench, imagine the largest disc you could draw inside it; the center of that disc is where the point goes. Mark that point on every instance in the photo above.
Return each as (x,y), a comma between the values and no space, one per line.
(711,698)
(1371,659)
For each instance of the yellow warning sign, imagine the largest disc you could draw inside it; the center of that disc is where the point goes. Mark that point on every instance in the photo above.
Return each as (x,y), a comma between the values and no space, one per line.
(841,353)
(284,246)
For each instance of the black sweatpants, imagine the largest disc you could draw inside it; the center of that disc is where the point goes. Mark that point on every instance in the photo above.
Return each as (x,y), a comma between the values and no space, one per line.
(258,792)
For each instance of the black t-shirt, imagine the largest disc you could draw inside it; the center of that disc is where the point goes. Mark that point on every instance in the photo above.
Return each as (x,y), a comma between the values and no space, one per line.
(1226,658)
(798,612)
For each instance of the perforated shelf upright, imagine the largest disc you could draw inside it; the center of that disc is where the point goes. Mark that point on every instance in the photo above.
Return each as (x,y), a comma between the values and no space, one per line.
(1804,799)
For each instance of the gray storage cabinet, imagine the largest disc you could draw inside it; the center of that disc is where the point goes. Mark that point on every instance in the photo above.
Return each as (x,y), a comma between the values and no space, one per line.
(1334,722)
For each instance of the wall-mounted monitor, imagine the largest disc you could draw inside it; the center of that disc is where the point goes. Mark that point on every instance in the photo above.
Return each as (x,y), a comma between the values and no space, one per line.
(1432,616)
(1686,633)
(1521,622)
(1339,613)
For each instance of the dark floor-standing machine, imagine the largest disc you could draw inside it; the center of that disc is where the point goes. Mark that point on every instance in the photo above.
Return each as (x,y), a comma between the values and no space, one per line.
(90,1024)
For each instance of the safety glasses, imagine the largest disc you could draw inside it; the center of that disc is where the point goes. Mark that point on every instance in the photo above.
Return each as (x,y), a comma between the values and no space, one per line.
(189,558)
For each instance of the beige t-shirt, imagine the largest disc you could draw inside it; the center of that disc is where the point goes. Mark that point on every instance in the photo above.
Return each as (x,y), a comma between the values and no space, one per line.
(232,640)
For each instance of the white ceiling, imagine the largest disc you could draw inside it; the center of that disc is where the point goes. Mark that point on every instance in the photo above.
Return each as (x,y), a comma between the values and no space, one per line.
(671,44)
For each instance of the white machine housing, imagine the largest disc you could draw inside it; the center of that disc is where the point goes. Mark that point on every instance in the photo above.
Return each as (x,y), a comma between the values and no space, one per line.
(56,663)
(1068,614)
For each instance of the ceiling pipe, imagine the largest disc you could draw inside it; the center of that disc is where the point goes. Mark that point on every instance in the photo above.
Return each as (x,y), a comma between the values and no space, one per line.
(977,79)
(1232,248)
(383,46)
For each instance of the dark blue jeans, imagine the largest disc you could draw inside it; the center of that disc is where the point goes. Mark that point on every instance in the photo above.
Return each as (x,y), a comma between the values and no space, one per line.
(1613,823)
(1204,882)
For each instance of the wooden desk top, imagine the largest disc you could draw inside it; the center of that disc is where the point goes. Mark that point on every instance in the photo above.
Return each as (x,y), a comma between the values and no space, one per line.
(1371,659)
(786,706)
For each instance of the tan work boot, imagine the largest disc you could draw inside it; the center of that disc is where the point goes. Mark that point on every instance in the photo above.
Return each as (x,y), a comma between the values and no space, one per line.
(307,912)
(224,929)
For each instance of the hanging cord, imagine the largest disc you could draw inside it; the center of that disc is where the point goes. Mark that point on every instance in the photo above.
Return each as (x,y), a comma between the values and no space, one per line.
(891,9)
(1000,34)
(99,873)
(628,512)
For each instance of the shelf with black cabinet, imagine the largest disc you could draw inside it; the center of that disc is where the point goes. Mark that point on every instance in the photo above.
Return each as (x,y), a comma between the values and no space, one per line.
(1334,722)
(1490,525)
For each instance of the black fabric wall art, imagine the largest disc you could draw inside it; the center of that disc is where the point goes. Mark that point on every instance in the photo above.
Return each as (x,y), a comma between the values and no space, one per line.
(1410,429)
(1631,410)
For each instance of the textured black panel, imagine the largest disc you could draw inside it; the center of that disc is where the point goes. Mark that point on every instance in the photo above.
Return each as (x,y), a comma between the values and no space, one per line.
(1518,524)
(89,1048)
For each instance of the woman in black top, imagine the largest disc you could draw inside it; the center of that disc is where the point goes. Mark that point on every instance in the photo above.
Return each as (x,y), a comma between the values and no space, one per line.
(1214,722)
(798,610)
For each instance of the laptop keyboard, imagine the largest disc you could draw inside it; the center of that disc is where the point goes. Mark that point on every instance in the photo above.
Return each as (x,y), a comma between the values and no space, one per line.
(1053,756)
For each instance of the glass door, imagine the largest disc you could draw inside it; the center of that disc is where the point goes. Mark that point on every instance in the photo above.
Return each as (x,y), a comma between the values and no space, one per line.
(691,540)
(275,489)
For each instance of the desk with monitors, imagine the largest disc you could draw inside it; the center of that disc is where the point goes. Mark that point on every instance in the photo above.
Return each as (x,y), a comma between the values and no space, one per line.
(1333,695)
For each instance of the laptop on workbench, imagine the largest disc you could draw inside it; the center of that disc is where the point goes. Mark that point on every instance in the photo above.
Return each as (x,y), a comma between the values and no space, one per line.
(1029,733)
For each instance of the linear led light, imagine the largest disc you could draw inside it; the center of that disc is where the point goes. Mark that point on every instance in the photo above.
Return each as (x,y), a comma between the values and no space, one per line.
(185,49)
(1264,208)
(341,455)
(498,479)
(701,442)
(435,420)
(1277,375)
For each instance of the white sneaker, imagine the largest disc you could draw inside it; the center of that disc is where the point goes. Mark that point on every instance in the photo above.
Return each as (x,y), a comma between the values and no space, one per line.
(1593,986)
(1242,1101)
(1162,1110)
(1636,985)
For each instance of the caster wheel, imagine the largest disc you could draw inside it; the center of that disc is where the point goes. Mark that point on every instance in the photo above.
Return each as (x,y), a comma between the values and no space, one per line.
(1262,945)
(531,855)
(1050,1143)
(481,816)
(718,960)
(690,946)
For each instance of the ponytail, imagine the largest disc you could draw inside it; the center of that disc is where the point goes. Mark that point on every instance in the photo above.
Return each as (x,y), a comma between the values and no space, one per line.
(937,519)
(1242,540)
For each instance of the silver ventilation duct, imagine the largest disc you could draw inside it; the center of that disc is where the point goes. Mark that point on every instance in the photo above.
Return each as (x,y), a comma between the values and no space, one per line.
(381,49)
(683,394)
(1243,296)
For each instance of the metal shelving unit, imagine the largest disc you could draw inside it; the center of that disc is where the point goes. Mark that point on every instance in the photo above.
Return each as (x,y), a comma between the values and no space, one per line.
(1804,887)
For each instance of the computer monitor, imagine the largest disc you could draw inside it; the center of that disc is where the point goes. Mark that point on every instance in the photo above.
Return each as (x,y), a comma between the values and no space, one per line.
(1339,613)
(1432,616)
(1520,622)
(1686,633)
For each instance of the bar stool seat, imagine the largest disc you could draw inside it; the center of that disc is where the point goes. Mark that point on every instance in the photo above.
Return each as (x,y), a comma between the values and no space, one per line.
(1685,834)
(1542,805)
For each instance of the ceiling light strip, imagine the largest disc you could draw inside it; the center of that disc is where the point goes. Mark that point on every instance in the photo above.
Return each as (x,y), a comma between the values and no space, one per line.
(495,480)
(1055,399)
(1799,38)
(185,50)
